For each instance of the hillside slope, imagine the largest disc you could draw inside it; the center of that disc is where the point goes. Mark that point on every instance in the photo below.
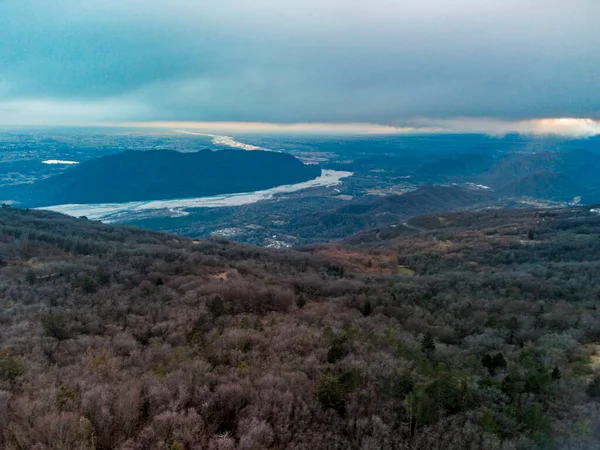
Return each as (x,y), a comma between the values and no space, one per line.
(480,328)
(555,186)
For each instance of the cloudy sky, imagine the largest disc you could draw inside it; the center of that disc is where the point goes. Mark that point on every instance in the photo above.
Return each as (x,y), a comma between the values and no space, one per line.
(391,62)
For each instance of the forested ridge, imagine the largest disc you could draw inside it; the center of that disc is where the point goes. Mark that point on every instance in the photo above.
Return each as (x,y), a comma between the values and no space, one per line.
(470,330)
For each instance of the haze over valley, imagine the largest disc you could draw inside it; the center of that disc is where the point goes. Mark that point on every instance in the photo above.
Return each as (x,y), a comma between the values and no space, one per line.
(331,189)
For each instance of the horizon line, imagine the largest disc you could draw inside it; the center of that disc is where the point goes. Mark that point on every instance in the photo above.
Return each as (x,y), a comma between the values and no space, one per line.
(565,126)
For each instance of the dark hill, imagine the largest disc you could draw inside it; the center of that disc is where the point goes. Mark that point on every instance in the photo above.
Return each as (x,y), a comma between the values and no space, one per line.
(457,168)
(556,186)
(152,175)
(558,175)
(592,197)
(580,165)
(420,201)
(385,211)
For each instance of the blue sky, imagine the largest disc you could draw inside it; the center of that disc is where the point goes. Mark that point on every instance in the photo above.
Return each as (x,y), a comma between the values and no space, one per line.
(380,61)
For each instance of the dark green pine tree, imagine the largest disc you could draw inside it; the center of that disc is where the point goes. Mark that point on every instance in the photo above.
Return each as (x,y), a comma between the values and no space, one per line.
(488,362)
(556,375)
(428,344)
(367,308)
(499,361)
(300,301)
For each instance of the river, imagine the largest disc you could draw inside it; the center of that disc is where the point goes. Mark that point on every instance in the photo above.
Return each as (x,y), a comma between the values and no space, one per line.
(119,212)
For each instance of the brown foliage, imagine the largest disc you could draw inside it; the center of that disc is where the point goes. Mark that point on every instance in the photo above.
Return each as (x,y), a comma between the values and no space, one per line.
(94,351)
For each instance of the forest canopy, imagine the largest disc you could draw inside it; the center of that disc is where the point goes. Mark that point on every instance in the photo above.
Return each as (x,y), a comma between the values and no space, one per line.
(476,330)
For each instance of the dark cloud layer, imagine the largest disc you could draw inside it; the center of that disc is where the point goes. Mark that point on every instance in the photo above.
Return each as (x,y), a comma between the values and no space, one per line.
(294,61)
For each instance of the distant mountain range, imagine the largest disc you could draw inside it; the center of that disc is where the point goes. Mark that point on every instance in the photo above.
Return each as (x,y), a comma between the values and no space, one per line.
(162,174)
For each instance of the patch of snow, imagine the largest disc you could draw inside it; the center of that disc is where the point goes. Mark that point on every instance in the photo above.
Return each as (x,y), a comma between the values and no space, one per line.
(59,161)
(478,186)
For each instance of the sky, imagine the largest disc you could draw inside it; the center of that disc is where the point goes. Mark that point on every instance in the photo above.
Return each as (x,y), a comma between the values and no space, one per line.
(487,65)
